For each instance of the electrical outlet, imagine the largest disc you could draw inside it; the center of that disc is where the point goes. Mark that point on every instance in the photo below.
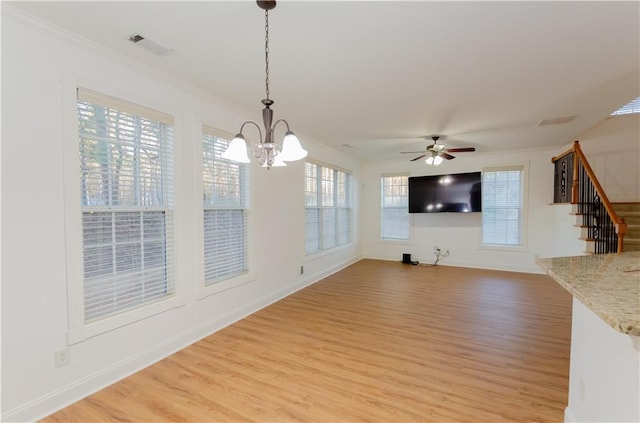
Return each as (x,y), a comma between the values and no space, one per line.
(581,390)
(62,357)
(436,250)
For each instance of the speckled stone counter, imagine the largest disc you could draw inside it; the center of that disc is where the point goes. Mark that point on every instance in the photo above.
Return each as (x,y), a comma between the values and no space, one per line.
(608,284)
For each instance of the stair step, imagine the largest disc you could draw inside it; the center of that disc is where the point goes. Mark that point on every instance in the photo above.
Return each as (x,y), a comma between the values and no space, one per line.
(633,229)
(631,219)
(624,207)
(630,212)
(590,246)
(631,244)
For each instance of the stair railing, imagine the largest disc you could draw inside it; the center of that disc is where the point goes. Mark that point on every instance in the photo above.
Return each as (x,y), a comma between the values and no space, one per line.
(604,225)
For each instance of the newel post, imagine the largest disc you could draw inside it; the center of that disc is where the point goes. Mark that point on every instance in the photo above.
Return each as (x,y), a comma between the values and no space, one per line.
(575,183)
(621,229)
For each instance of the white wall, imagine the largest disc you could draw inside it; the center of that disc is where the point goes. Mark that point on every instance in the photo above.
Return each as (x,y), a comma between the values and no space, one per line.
(604,376)
(613,151)
(460,233)
(566,241)
(37,66)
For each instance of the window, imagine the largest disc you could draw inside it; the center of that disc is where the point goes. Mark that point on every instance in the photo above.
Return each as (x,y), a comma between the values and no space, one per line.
(395,207)
(328,207)
(502,206)
(226,188)
(632,107)
(126,198)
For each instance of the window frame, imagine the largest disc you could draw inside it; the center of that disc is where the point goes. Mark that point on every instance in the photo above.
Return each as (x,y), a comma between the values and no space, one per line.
(630,108)
(382,209)
(336,207)
(203,290)
(523,246)
(79,329)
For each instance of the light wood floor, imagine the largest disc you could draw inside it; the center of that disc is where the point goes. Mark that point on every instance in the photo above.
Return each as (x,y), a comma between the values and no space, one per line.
(378,342)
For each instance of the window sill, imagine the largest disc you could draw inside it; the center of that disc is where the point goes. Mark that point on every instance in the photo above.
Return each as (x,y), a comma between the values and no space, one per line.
(224,285)
(497,247)
(90,330)
(323,253)
(396,241)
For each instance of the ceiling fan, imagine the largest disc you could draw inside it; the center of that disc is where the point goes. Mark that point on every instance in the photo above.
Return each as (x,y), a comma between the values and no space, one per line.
(436,152)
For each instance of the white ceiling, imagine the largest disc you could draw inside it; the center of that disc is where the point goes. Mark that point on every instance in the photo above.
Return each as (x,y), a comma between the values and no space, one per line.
(378,76)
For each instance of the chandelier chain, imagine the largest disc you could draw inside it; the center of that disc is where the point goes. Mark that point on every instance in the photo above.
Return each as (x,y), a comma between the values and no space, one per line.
(268,152)
(266,51)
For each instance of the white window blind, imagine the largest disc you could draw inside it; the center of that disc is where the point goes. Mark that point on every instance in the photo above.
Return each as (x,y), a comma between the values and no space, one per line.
(226,212)
(343,207)
(126,166)
(632,107)
(502,202)
(328,207)
(395,207)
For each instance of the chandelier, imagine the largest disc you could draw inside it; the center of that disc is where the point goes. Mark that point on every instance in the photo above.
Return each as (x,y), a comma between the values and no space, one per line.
(267,151)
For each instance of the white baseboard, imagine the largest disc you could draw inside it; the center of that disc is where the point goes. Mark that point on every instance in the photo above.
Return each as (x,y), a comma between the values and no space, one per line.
(473,265)
(496,266)
(568,416)
(315,277)
(67,395)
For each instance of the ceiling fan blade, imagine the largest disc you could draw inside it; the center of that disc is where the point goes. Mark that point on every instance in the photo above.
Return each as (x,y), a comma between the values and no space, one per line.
(460,150)
(418,158)
(447,156)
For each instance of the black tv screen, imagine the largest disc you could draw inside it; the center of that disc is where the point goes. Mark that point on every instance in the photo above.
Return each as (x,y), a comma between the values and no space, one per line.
(459,192)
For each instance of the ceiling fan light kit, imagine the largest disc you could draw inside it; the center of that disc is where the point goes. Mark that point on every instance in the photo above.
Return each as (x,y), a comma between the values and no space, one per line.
(437,153)
(268,153)
(434,160)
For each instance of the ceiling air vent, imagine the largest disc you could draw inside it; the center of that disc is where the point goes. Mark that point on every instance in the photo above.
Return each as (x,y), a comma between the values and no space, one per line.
(556,121)
(150,45)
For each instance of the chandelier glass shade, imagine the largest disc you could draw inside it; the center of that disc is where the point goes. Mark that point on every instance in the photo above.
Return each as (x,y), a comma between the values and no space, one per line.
(267,152)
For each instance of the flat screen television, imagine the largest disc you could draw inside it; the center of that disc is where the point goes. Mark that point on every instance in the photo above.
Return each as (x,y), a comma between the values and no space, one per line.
(459,193)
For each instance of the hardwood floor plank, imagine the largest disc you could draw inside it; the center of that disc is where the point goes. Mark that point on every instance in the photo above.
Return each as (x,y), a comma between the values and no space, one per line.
(377,341)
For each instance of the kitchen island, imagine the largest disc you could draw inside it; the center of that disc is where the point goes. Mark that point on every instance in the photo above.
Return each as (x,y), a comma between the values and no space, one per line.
(604,377)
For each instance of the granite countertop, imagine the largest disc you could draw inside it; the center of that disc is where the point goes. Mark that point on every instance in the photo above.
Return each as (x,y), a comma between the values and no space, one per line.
(608,284)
